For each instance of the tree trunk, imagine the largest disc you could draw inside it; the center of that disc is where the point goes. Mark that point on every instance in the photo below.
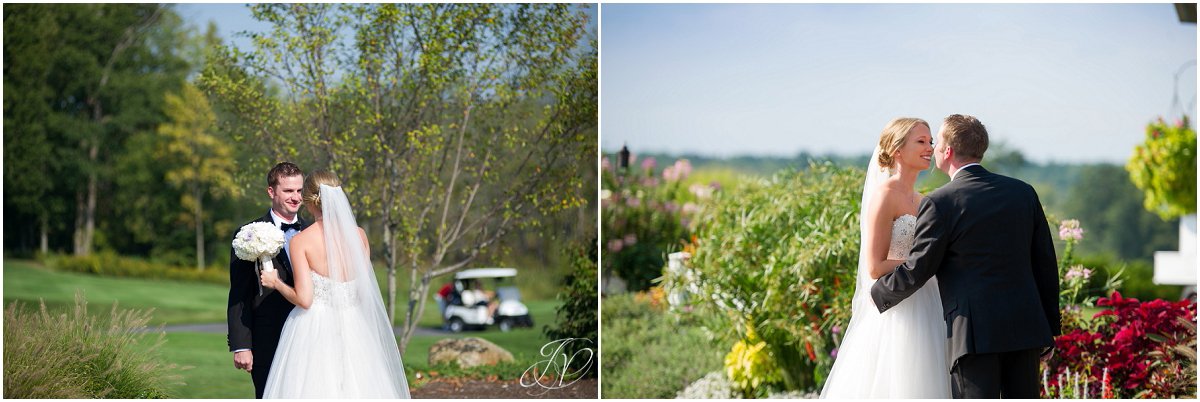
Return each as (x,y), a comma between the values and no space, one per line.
(85,207)
(416,306)
(45,236)
(77,234)
(199,228)
(389,256)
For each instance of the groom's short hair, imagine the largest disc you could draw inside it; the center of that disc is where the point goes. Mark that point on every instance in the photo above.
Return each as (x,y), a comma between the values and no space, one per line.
(966,136)
(281,170)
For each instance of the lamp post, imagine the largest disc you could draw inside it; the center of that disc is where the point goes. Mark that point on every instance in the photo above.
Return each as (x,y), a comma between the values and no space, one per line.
(623,159)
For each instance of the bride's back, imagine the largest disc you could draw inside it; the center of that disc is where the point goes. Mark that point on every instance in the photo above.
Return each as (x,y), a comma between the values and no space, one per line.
(316,251)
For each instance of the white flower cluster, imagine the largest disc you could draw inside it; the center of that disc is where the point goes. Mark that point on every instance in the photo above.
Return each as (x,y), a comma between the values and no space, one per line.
(714,385)
(257,240)
(793,395)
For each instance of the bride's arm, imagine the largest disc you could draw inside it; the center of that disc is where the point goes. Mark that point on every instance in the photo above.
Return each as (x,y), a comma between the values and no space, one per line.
(302,294)
(879,235)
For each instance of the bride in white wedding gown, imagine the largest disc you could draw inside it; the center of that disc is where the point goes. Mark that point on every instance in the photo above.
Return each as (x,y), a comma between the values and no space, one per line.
(337,343)
(900,353)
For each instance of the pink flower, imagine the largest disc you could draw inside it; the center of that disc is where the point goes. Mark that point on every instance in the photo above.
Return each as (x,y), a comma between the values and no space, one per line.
(633,202)
(690,208)
(1069,230)
(679,171)
(669,174)
(701,191)
(684,168)
(630,239)
(649,163)
(615,245)
(1077,272)
(605,164)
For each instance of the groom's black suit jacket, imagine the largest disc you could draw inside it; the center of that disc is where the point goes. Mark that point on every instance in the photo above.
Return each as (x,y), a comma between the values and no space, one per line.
(986,239)
(255,322)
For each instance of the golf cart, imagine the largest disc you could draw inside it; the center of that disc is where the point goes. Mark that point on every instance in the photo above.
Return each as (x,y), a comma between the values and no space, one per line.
(470,305)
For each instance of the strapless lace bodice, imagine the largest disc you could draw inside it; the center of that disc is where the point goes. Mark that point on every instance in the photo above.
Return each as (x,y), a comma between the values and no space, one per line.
(904,230)
(330,293)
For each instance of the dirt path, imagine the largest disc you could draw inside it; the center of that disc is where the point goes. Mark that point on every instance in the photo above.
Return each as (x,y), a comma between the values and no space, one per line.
(444,388)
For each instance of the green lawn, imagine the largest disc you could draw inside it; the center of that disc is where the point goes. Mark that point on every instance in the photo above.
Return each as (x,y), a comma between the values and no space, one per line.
(173,302)
(203,361)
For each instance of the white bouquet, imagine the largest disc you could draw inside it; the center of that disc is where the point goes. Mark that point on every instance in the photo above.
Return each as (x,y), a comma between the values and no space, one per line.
(258,242)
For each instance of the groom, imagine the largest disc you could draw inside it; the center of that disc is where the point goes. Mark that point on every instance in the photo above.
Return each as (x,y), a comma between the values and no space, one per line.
(986,238)
(255,321)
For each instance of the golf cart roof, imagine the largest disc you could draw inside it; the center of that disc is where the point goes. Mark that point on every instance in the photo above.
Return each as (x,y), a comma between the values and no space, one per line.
(486,273)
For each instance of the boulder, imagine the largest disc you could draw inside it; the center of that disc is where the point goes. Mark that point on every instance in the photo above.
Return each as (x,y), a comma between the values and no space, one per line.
(467,352)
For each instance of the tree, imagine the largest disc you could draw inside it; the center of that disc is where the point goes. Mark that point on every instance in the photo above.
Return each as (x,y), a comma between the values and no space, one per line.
(202,163)
(88,76)
(450,124)
(1118,226)
(30,165)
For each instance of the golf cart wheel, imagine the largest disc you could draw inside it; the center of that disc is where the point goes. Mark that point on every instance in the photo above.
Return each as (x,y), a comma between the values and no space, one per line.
(505,324)
(457,325)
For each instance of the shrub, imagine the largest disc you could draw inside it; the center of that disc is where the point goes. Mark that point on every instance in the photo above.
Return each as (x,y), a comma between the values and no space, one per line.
(650,354)
(72,355)
(1164,168)
(1131,350)
(776,259)
(107,263)
(645,216)
(577,311)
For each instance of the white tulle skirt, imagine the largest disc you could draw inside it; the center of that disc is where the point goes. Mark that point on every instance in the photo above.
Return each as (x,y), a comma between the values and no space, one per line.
(900,353)
(323,354)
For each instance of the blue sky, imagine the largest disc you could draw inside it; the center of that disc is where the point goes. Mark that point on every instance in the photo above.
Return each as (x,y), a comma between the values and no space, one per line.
(1066,83)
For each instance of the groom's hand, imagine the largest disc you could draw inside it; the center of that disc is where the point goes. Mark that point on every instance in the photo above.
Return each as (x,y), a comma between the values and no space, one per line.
(244,360)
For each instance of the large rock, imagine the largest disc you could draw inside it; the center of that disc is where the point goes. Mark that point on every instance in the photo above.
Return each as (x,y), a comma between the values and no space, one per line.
(467,352)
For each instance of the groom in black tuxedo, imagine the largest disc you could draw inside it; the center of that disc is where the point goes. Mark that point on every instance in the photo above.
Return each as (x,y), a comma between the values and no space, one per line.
(255,321)
(986,239)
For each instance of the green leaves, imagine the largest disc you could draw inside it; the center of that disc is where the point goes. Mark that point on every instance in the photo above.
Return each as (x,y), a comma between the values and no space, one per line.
(1164,167)
(779,256)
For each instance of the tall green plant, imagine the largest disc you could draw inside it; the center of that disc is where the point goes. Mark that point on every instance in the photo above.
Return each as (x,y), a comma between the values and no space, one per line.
(577,314)
(1164,167)
(775,259)
(73,355)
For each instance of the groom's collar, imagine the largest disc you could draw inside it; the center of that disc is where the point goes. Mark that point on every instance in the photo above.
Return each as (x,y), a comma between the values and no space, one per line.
(277,220)
(955,174)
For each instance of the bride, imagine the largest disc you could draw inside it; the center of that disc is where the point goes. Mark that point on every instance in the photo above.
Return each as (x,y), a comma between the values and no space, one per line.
(902,352)
(337,342)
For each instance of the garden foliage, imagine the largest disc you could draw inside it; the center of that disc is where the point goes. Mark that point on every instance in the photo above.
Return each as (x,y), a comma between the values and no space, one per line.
(577,313)
(71,355)
(1164,167)
(774,264)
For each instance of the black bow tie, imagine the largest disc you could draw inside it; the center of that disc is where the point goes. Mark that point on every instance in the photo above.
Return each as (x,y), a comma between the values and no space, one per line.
(285,226)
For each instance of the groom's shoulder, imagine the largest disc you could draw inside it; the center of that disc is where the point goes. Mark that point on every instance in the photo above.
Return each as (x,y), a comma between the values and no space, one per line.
(1013,182)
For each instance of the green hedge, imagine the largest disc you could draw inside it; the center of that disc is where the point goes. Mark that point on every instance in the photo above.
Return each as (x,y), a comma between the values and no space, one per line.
(649,353)
(111,264)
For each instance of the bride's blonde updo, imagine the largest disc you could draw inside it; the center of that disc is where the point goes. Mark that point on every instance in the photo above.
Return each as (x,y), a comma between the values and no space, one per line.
(311,194)
(893,136)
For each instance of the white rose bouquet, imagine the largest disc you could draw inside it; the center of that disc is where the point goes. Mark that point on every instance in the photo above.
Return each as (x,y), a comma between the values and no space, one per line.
(258,242)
